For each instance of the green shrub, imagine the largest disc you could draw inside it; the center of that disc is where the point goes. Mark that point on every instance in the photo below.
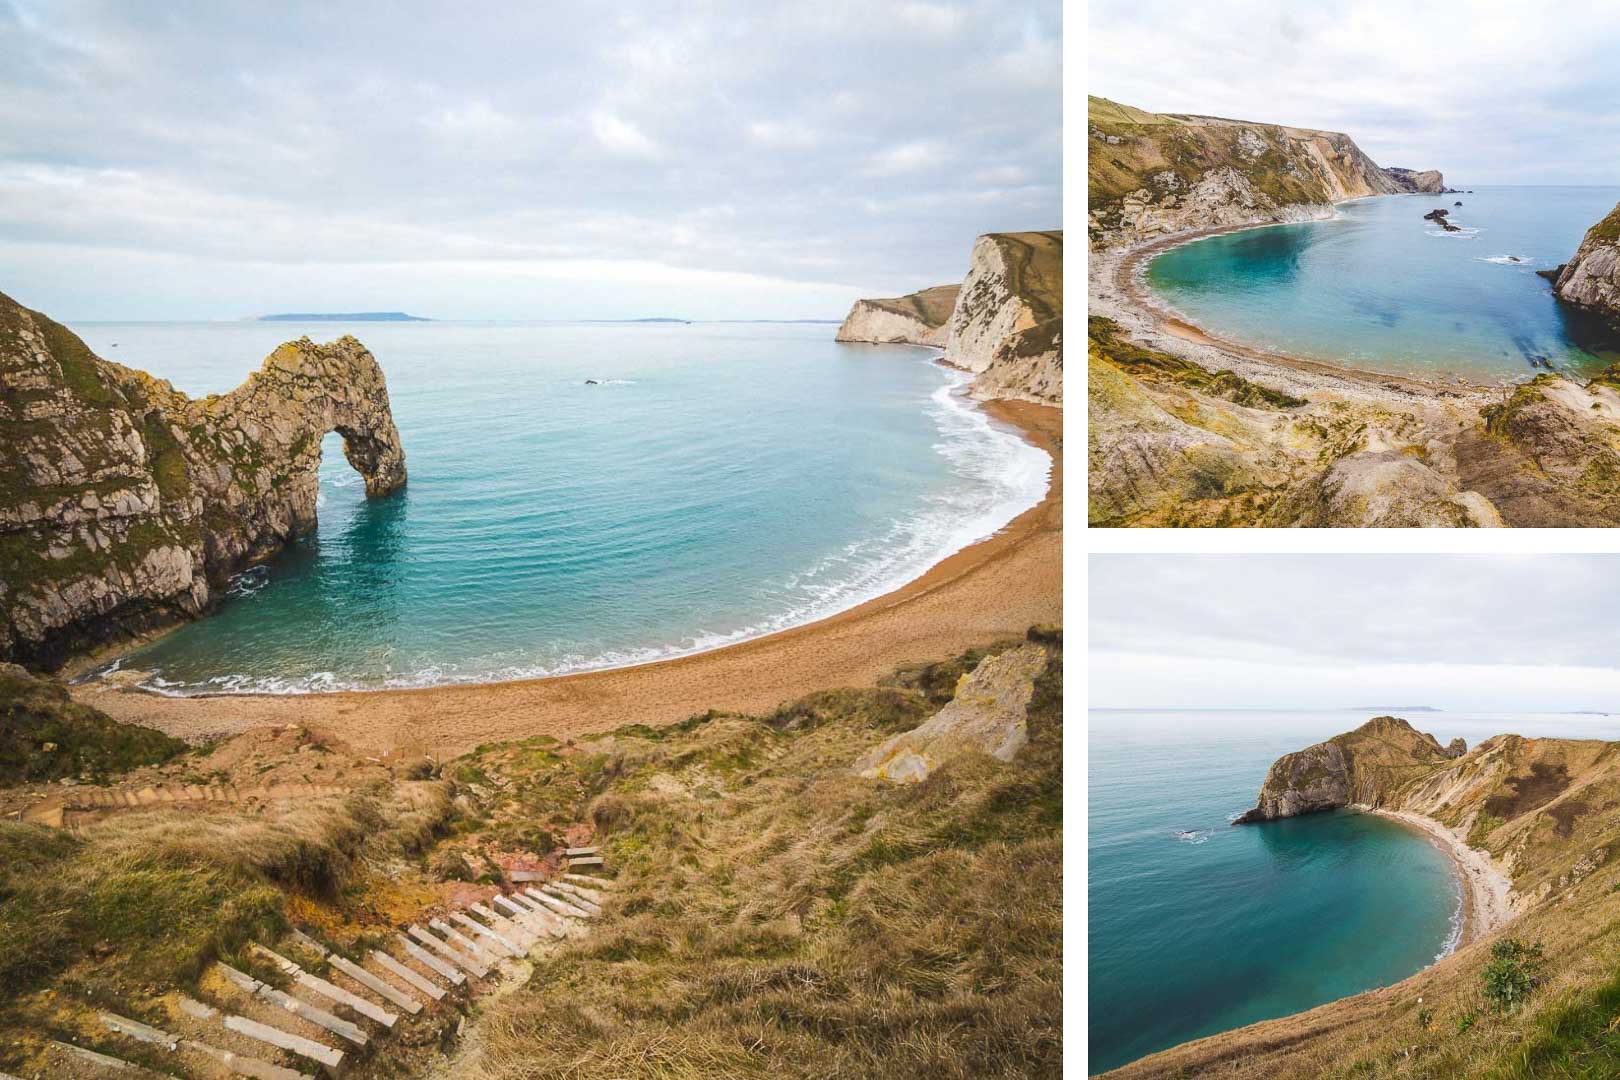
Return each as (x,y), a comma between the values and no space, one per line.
(1513,972)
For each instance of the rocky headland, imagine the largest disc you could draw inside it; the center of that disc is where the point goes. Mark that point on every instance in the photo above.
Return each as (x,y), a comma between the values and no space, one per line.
(1158,174)
(1532,825)
(919,318)
(1004,323)
(1591,280)
(126,506)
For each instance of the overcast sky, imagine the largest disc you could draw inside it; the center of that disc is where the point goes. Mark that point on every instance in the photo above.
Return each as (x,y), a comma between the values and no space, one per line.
(549,160)
(1486,92)
(1488,633)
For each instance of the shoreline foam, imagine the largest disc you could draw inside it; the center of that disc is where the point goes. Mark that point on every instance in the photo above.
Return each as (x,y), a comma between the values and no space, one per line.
(1011,473)
(996,587)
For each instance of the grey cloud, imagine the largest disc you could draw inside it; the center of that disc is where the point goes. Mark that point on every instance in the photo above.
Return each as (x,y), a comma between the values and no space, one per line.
(835,146)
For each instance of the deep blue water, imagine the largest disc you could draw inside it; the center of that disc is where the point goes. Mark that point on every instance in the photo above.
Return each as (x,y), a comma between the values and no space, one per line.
(724,481)
(1197,926)
(1379,287)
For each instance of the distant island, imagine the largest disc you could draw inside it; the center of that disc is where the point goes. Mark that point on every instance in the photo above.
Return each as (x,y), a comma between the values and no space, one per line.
(343,316)
(1394,708)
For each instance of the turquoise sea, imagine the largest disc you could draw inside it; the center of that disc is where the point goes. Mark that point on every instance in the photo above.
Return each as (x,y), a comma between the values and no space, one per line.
(1197,926)
(1379,287)
(721,482)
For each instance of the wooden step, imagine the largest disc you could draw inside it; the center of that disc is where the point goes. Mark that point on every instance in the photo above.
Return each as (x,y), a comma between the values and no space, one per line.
(490,954)
(592,850)
(106,1061)
(593,895)
(376,985)
(520,876)
(544,916)
(301,1009)
(242,1065)
(508,928)
(431,962)
(466,961)
(490,939)
(329,990)
(562,906)
(285,1040)
(566,897)
(406,975)
(586,879)
(138,1031)
(586,860)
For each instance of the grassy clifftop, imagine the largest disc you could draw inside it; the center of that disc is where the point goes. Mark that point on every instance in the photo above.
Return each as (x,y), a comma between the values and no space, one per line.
(1540,998)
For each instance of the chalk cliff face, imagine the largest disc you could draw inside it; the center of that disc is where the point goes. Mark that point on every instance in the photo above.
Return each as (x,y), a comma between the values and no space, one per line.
(1008,324)
(1592,278)
(920,318)
(1157,174)
(126,505)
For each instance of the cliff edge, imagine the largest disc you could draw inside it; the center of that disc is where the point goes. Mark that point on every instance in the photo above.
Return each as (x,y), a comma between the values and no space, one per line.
(1592,278)
(1156,174)
(125,505)
(919,318)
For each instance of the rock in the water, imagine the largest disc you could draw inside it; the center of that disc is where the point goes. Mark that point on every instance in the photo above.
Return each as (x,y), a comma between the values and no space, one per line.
(988,715)
(1457,203)
(1592,278)
(126,505)
(919,318)
(1437,214)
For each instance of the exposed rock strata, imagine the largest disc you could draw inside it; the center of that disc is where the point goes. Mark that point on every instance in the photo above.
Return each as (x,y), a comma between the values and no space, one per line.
(1008,324)
(1592,278)
(1155,174)
(1361,768)
(126,505)
(988,715)
(919,318)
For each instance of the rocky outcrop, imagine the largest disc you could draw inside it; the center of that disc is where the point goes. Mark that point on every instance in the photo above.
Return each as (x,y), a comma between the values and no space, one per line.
(1591,279)
(1157,174)
(919,318)
(1364,767)
(126,505)
(1426,182)
(1008,324)
(988,715)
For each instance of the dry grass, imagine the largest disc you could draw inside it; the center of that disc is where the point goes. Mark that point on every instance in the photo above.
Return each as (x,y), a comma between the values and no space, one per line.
(782,917)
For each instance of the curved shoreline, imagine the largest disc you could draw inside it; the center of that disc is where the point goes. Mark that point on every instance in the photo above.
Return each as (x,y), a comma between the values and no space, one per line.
(994,588)
(1486,890)
(1116,288)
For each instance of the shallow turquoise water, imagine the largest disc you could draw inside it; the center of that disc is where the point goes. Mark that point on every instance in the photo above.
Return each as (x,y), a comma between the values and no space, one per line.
(1197,926)
(1381,288)
(724,481)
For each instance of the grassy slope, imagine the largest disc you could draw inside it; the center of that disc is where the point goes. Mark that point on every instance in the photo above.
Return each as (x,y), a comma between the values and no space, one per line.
(1551,807)
(45,735)
(782,917)
(932,306)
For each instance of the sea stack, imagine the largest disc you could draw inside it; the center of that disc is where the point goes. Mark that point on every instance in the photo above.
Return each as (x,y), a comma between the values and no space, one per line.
(125,505)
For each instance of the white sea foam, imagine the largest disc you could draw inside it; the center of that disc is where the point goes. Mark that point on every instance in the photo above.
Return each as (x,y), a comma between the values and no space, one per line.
(1461,233)
(1000,477)
(1455,930)
(1507,260)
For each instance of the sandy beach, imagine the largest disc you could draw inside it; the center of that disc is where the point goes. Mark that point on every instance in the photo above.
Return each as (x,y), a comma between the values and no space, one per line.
(1487,889)
(995,588)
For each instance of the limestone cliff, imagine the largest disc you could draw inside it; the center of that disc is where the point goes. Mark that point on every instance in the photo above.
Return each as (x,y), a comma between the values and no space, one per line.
(1363,767)
(1008,324)
(126,505)
(1157,174)
(919,318)
(1592,278)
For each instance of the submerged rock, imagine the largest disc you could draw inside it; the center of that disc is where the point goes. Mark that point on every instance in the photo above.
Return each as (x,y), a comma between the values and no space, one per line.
(988,715)
(126,505)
